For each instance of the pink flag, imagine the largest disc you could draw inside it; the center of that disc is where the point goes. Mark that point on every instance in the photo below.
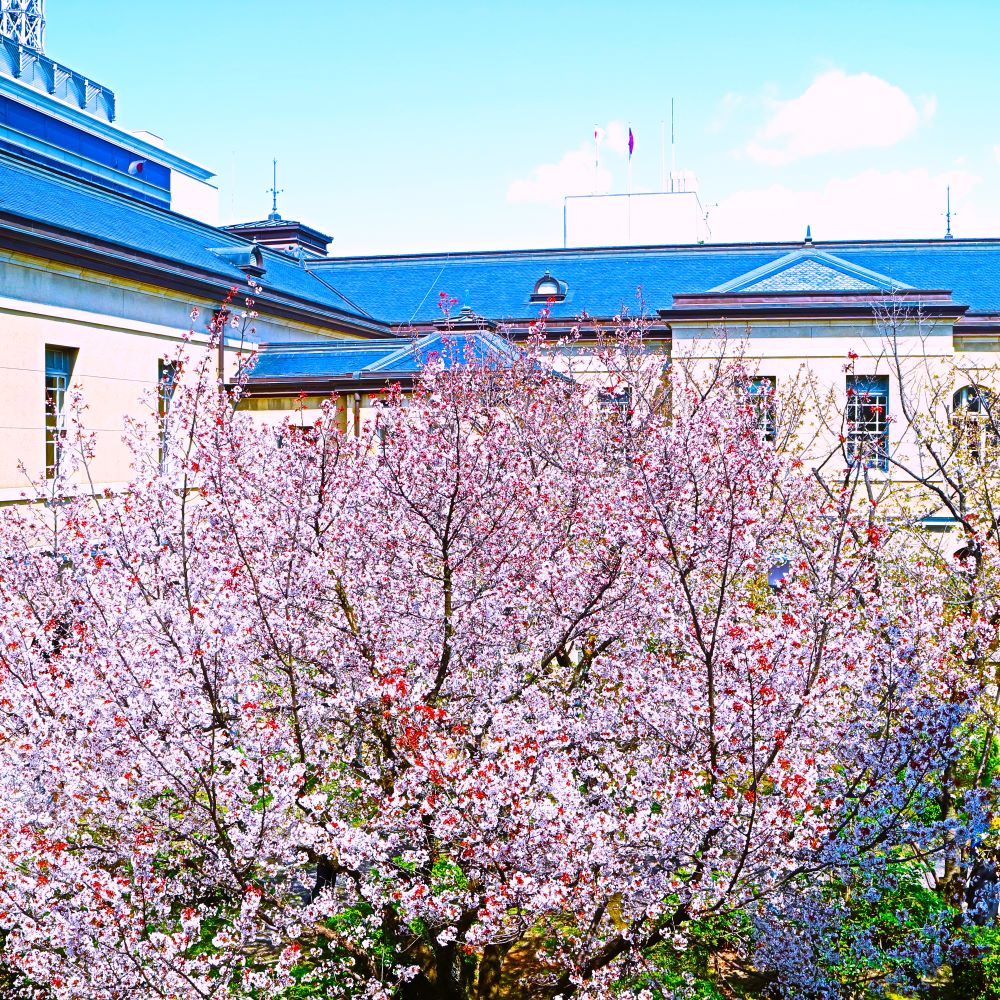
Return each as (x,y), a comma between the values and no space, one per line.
(631,143)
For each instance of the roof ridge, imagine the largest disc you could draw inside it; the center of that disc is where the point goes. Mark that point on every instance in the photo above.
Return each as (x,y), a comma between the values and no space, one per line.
(695,248)
(332,344)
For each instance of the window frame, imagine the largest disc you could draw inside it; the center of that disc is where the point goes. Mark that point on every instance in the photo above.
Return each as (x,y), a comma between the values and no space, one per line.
(166,386)
(763,390)
(616,403)
(973,421)
(867,416)
(58,372)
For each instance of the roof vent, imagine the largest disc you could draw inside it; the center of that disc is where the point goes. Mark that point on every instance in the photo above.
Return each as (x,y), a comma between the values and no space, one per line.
(548,289)
(465,320)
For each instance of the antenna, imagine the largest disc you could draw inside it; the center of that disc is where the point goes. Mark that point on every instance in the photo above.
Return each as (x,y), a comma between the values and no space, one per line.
(274,191)
(597,162)
(24,21)
(948,214)
(663,161)
(673,147)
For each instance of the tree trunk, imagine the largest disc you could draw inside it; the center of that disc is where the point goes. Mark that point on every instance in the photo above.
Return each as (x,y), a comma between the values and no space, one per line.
(490,969)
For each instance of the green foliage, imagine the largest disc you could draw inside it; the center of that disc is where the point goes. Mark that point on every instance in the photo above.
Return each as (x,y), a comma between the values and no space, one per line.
(883,932)
(669,973)
(979,763)
(697,970)
(976,977)
(310,985)
(446,876)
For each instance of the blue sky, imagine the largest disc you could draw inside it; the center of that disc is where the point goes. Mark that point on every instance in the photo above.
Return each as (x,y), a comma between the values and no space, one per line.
(437,125)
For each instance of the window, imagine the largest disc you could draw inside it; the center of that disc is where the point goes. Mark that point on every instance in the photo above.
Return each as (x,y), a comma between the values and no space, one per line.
(973,420)
(619,404)
(58,368)
(868,420)
(762,400)
(166,384)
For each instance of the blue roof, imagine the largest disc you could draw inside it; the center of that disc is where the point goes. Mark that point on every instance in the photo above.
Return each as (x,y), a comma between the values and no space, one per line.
(318,360)
(449,348)
(406,289)
(37,195)
(346,359)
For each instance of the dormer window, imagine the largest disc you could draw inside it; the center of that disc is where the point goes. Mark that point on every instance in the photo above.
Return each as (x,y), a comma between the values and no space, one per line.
(547,288)
(249,259)
(254,264)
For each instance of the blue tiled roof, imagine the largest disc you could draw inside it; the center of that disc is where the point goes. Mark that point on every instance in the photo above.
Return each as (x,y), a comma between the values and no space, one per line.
(449,349)
(36,195)
(339,360)
(317,360)
(498,285)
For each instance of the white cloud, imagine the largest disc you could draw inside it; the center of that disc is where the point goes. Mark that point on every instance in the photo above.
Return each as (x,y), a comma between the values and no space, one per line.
(725,110)
(575,173)
(895,204)
(836,113)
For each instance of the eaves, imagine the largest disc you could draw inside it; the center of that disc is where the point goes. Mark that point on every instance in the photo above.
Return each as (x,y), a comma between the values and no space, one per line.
(735,312)
(66,247)
(325,385)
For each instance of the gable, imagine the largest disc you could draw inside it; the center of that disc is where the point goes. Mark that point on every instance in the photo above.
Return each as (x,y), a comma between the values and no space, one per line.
(811,276)
(809,270)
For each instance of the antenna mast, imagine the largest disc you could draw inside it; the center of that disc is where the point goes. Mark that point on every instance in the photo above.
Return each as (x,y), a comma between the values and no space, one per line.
(673,147)
(274,190)
(24,21)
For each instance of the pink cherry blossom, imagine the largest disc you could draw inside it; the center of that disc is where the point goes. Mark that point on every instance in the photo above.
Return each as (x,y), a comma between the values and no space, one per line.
(496,692)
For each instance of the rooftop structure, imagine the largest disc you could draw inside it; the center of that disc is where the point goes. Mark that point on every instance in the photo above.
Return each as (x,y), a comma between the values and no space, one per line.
(63,120)
(284,235)
(23,21)
(294,238)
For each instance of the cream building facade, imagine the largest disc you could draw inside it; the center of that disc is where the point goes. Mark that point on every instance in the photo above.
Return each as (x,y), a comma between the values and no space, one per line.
(873,329)
(109,261)
(108,242)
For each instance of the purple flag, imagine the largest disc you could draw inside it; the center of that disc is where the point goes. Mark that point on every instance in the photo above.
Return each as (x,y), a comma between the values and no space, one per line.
(631,143)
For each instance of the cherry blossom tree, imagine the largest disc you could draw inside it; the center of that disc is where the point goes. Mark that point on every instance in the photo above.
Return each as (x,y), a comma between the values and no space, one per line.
(942,459)
(516,694)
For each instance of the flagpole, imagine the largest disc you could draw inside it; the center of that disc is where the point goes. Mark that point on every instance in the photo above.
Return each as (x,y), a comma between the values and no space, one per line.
(663,156)
(597,160)
(628,187)
(673,147)
(630,144)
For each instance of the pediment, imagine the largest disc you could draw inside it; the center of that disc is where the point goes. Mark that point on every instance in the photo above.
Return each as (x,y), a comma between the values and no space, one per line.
(809,270)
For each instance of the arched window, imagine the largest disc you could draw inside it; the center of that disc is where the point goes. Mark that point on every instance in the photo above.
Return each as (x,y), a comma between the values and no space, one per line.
(974,418)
